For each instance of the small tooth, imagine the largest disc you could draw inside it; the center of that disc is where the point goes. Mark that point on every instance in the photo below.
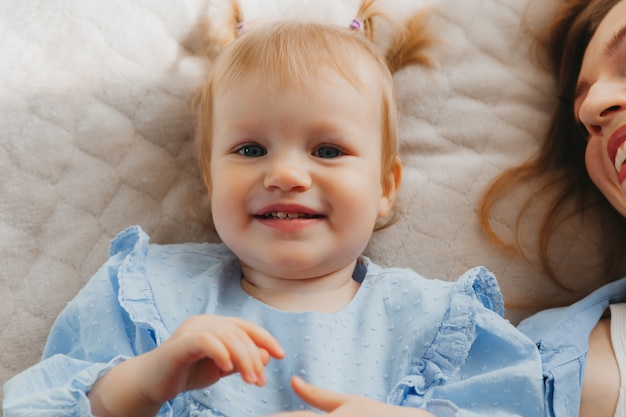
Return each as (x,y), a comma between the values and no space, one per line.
(285,216)
(620,158)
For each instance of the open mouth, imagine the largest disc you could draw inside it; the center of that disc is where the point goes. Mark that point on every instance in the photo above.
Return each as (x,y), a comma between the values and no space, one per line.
(281,215)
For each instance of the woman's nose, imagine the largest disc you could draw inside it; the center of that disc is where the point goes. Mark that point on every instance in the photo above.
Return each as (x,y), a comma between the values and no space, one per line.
(287,173)
(603,101)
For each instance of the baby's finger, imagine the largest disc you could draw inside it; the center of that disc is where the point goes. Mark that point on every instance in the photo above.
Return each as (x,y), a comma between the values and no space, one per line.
(247,357)
(215,349)
(234,352)
(319,398)
(304,413)
(262,338)
(265,356)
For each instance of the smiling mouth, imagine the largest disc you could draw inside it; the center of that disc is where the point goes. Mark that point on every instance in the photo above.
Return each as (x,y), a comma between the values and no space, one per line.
(281,215)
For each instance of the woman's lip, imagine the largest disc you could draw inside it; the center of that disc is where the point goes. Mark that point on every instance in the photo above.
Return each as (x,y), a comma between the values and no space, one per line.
(621,176)
(618,137)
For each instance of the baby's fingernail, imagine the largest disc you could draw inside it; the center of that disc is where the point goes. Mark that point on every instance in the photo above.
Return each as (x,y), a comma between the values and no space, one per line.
(297,380)
(227,366)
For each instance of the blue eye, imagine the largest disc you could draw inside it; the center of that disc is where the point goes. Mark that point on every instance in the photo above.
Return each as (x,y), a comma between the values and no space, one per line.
(251,151)
(327,152)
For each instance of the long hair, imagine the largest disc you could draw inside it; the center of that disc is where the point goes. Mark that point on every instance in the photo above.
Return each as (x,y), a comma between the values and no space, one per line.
(560,161)
(288,53)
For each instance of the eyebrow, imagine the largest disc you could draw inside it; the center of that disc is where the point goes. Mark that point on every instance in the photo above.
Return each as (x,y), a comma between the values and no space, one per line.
(610,49)
(616,41)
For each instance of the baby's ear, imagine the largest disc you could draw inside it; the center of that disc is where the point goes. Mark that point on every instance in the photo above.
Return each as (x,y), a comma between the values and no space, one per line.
(390,184)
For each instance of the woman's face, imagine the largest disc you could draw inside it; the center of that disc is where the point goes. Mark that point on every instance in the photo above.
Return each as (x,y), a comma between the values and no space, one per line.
(600,105)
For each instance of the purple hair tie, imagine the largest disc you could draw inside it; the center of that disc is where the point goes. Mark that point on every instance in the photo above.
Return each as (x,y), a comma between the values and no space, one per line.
(356,24)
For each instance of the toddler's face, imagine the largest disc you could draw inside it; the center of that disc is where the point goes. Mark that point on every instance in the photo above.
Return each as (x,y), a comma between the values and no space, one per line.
(600,104)
(296,172)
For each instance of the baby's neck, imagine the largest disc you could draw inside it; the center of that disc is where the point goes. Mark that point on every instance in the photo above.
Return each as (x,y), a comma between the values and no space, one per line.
(314,294)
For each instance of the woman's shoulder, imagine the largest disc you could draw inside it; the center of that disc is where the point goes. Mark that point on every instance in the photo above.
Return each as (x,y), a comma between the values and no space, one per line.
(584,313)
(562,333)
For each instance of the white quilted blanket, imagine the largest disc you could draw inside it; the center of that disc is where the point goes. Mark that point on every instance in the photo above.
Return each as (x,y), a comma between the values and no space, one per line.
(95,136)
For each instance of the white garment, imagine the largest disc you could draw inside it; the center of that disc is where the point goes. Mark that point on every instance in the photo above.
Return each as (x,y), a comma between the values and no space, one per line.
(618,339)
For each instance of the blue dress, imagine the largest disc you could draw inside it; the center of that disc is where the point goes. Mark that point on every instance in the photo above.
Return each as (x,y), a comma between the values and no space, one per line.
(403,339)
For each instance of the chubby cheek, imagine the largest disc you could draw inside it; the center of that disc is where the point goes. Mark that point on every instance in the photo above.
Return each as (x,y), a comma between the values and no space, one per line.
(362,201)
(219,206)
(227,203)
(593,161)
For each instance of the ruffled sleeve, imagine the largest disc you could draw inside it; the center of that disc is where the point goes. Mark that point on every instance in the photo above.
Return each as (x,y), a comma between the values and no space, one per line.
(91,335)
(135,294)
(478,362)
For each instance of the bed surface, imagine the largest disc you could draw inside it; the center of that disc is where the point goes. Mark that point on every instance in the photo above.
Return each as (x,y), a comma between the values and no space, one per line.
(95,135)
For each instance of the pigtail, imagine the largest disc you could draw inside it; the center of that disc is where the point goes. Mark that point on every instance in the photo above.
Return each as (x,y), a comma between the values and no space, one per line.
(222,23)
(409,44)
(236,20)
(364,21)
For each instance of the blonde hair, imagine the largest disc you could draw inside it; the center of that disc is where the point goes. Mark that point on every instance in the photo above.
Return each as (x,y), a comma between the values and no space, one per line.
(291,52)
(560,162)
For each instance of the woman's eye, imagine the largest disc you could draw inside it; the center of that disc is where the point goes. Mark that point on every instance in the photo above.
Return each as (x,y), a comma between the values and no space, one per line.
(327,152)
(251,151)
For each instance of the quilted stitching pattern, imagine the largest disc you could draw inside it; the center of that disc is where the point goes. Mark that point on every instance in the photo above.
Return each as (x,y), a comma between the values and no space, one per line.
(95,136)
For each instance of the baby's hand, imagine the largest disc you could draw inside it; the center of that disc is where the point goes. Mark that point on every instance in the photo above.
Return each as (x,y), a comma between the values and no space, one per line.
(204,349)
(345,405)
